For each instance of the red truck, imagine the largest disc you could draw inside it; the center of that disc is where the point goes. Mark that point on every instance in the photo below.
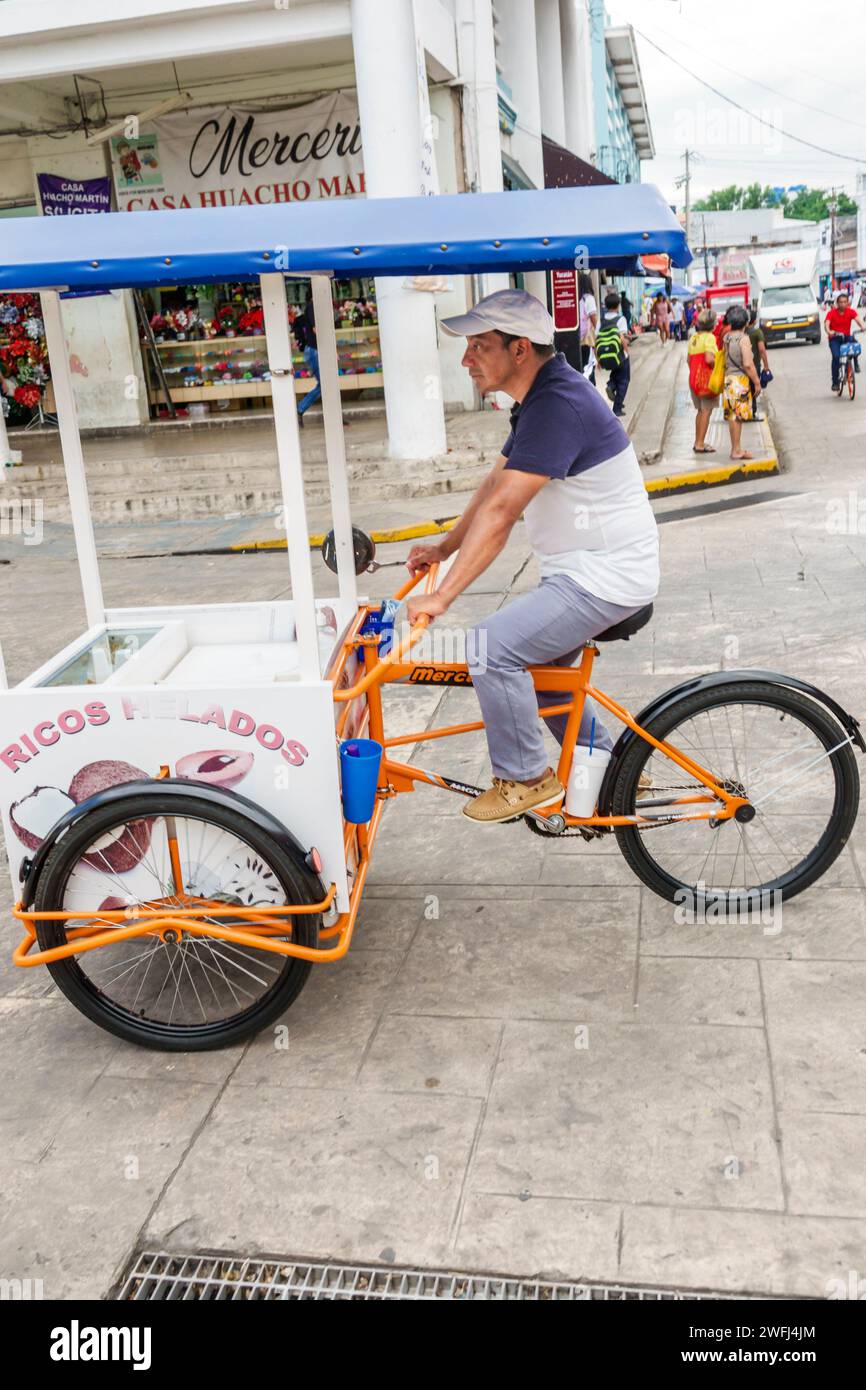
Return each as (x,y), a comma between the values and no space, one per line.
(719,298)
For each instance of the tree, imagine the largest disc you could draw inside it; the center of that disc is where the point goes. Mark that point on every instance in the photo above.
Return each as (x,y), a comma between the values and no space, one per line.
(734,198)
(721,200)
(812,204)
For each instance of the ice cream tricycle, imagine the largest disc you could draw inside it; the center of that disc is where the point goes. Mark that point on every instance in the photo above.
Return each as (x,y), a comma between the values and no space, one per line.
(191,794)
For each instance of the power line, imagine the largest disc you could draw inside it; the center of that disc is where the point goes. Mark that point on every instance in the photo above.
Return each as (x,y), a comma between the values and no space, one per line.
(854,159)
(756,82)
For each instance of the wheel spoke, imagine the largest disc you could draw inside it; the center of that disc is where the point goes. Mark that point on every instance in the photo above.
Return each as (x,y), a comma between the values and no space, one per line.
(180,980)
(787,771)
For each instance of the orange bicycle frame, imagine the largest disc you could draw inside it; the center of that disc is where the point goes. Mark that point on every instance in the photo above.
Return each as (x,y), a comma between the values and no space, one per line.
(259,926)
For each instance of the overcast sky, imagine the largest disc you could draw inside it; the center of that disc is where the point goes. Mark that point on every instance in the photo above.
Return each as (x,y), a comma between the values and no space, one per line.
(814,53)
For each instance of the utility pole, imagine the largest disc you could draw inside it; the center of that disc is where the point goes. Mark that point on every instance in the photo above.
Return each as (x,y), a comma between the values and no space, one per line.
(706,261)
(832,208)
(687,179)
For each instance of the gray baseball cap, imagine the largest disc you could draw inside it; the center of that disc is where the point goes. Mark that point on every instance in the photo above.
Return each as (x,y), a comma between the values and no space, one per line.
(511,311)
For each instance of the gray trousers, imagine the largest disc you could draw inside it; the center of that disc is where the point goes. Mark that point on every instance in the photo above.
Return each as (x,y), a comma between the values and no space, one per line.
(546,627)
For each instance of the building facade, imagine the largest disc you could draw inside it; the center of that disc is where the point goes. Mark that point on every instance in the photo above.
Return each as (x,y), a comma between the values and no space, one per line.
(623,136)
(200,103)
(721,242)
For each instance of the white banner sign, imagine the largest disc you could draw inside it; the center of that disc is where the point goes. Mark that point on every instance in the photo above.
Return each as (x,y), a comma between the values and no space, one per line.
(222,156)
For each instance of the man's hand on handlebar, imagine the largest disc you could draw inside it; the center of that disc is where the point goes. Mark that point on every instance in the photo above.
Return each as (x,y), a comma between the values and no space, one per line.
(431,605)
(421,557)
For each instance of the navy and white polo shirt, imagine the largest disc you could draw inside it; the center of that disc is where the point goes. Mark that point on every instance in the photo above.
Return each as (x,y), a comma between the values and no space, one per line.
(593,521)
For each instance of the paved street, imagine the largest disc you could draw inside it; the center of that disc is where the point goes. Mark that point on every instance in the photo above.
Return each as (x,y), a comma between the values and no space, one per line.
(438,1103)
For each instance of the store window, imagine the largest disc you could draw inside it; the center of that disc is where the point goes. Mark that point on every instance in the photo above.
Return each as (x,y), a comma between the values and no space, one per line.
(209,342)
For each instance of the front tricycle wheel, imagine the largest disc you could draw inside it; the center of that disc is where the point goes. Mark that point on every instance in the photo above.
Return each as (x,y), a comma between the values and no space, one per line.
(177,991)
(767,742)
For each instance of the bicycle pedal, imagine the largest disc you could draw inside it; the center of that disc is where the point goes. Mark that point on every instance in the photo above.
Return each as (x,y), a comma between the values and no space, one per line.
(553,824)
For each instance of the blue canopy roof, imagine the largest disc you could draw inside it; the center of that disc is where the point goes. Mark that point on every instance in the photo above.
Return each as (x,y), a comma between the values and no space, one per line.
(461,233)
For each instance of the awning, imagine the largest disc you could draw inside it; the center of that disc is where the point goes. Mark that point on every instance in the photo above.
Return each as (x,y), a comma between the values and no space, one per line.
(562,169)
(657,264)
(460,233)
(514,176)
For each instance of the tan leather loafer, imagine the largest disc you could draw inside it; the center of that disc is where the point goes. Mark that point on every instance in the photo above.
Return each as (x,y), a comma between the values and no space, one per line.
(508,800)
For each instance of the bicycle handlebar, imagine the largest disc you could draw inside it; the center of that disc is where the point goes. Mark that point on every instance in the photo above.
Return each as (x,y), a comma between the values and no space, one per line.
(377,672)
(429,574)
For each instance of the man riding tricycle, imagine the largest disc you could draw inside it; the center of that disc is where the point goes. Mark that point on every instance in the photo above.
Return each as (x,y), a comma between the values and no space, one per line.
(191,794)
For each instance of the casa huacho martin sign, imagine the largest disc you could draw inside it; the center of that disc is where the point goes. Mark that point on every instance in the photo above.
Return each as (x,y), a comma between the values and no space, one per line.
(224,156)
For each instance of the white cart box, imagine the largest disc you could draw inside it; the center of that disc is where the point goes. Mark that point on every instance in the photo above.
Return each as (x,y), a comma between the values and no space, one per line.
(212,692)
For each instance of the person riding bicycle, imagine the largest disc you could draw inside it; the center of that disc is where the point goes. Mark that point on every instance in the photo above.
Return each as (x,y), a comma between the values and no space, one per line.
(838,325)
(569,466)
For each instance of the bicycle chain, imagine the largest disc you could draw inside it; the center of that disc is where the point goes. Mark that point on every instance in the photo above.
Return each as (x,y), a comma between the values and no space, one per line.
(561,834)
(595,833)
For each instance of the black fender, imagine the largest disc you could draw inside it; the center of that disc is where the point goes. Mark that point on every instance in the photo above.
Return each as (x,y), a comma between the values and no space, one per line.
(171,787)
(705,682)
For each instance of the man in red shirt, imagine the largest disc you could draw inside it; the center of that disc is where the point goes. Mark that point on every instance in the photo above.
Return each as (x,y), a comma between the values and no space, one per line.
(838,324)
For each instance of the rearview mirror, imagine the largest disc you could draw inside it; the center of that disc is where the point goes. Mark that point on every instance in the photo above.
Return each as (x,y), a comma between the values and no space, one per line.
(364,547)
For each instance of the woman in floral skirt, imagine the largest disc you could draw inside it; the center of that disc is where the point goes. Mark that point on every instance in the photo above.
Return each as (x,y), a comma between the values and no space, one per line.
(741,379)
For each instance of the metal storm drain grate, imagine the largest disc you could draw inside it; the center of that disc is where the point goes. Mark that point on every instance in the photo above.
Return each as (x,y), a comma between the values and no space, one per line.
(158,1276)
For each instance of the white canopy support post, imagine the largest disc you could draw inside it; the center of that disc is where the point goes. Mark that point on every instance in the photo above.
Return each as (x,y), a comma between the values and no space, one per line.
(279,346)
(73,459)
(335,443)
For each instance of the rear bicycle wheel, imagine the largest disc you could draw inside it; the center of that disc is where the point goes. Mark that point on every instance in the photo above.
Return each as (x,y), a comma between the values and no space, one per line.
(773,745)
(196,992)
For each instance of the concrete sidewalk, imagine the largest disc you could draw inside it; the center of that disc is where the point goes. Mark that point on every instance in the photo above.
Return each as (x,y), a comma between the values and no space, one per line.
(439,1104)
(682,470)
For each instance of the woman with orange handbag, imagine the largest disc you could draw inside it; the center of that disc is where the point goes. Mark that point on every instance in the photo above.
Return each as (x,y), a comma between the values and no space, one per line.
(703,364)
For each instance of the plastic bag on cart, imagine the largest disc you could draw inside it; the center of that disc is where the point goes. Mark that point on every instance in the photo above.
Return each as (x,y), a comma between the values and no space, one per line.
(383,622)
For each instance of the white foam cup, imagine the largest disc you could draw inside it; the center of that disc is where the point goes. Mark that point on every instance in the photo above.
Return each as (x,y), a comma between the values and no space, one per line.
(584,783)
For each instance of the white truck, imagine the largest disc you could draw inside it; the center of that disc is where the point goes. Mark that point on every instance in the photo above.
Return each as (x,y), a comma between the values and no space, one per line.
(783,287)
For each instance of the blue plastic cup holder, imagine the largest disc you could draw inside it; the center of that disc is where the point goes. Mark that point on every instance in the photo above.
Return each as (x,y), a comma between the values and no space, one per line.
(359,774)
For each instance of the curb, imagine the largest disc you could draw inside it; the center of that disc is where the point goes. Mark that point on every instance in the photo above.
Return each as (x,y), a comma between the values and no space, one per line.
(699,478)
(717,475)
(692,481)
(402,533)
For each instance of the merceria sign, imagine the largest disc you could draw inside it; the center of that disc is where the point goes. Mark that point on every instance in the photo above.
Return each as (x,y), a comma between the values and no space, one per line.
(221,156)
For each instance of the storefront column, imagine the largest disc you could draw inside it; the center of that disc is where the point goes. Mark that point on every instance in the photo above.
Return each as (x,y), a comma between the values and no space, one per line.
(517,53)
(519,57)
(481,151)
(550,69)
(383,36)
(477,56)
(577,77)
